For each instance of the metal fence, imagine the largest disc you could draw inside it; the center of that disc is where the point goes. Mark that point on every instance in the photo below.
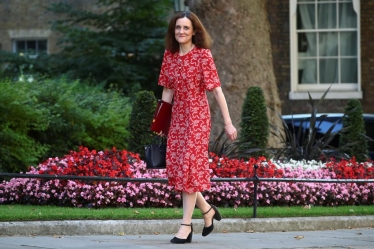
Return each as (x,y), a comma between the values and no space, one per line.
(255,179)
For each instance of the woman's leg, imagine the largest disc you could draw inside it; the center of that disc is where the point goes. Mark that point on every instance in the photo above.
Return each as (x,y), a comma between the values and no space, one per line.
(204,207)
(189,202)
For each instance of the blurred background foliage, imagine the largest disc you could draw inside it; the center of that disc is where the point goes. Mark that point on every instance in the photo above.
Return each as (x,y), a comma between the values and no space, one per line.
(354,131)
(100,92)
(121,45)
(140,119)
(82,95)
(48,118)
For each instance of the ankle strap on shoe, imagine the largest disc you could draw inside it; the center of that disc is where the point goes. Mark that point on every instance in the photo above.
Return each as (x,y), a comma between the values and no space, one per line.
(208,210)
(189,225)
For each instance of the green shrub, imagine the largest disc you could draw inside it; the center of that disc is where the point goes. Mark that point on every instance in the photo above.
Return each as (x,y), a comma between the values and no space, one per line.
(20,114)
(254,125)
(354,132)
(140,121)
(83,115)
(73,114)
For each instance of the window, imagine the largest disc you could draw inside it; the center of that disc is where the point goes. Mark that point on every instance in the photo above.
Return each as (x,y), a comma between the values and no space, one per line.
(180,5)
(31,48)
(325,48)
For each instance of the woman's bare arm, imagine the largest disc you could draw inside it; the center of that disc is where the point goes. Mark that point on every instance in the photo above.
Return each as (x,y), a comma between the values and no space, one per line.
(167,95)
(221,100)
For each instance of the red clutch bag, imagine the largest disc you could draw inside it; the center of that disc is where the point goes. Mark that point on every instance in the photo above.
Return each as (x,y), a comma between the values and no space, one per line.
(162,117)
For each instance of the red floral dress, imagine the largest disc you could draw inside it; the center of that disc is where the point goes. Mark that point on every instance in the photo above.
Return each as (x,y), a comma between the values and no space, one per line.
(190,76)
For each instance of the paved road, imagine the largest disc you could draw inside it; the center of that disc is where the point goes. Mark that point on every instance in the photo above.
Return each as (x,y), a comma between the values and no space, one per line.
(290,233)
(343,238)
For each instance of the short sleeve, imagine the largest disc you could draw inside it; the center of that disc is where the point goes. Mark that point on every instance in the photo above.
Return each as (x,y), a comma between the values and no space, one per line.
(165,77)
(210,75)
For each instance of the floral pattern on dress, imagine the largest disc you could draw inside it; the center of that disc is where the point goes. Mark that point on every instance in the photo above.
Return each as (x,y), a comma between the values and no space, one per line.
(190,76)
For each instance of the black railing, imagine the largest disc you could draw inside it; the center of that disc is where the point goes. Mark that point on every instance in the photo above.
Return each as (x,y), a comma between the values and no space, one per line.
(254,179)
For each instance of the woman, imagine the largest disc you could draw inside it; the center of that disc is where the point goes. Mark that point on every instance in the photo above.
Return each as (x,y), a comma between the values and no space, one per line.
(187,72)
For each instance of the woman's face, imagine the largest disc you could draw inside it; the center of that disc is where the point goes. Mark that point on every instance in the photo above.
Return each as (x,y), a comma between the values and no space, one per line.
(184,30)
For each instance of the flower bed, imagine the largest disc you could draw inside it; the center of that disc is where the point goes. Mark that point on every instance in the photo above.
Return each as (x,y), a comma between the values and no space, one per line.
(114,163)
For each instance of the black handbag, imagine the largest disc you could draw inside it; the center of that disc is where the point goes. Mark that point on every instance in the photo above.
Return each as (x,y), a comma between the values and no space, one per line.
(155,154)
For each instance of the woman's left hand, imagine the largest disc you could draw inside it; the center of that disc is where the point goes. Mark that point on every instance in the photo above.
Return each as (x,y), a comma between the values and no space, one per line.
(231,131)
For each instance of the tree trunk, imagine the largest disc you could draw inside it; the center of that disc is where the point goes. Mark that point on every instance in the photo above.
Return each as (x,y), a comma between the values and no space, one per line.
(242,52)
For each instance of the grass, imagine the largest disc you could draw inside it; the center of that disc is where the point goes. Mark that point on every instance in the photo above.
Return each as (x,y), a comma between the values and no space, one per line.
(42,213)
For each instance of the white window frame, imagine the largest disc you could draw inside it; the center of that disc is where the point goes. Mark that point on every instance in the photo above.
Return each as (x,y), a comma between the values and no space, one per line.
(180,5)
(338,91)
(33,56)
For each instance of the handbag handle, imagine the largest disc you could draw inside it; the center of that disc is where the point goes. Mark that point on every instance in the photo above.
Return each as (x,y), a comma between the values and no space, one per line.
(159,140)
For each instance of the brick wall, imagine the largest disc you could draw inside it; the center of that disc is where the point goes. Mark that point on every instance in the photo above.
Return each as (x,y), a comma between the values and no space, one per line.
(278,15)
(30,19)
(367,54)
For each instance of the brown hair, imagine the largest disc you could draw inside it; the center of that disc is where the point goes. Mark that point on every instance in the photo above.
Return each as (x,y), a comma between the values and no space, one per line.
(201,39)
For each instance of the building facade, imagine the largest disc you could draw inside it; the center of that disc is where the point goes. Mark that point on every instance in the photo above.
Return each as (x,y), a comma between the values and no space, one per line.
(320,44)
(25,26)
(316,45)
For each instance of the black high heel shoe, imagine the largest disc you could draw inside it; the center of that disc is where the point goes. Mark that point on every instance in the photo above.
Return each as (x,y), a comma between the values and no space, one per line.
(217,216)
(176,240)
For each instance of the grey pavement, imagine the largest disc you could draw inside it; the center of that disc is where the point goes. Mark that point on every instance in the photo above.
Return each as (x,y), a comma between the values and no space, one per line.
(354,232)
